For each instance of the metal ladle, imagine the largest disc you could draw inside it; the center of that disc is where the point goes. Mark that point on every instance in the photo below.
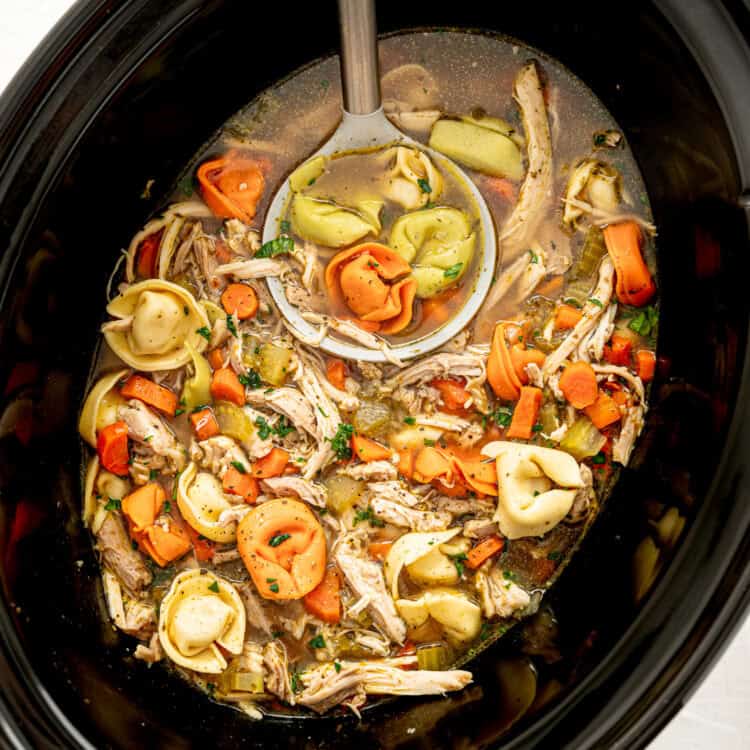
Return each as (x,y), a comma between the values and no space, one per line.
(364,125)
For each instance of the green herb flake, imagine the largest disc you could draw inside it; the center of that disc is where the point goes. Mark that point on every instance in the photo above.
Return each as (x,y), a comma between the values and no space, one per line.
(272,248)
(337,667)
(424,186)
(283,428)
(277,634)
(231,327)
(533,257)
(599,458)
(340,441)
(459,561)
(205,332)
(367,515)
(595,301)
(264,429)
(428,442)
(177,412)
(573,302)
(239,466)
(274,587)
(645,323)
(453,271)
(113,504)
(317,642)
(251,380)
(295,683)
(410,420)
(509,575)
(167,507)
(600,139)
(278,539)
(502,416)
(214,586)
(554,555)
(538,427)
(285,226)
(153,474)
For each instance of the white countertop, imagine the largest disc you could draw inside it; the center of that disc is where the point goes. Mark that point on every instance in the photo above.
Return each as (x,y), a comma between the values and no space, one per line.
(717,716)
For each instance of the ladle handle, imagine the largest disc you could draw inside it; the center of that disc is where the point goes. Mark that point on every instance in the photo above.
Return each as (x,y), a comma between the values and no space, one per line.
(360,80)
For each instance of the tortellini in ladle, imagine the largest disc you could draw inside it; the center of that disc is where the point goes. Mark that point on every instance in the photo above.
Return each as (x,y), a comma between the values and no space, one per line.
(413,180)
(438,242)
(201,501)
(155,319)
(329,224)
(536,487)
(200,613)
(100,407)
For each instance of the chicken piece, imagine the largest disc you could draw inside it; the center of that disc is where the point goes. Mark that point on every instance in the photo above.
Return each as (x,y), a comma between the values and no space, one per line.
(622,446)
(499,597)
(414,398)
(365,578)
(479,528)
(470,436)
(464,506)
(325,687)
(120,557)
(290,403)
(256,613)
(241,240)
(257,268)
(593,346)
(309,492)
(447,422)
(140,619)
(584,497)
(225,556)
(441,365)
(375,470)
(633,381)
(152,653)
(145,427)
(592,312)
(276,662)
(416,520)
(234,514)
(298,296)
(536,190)
(394,492)
(518,280)
(370,371)
(217,454)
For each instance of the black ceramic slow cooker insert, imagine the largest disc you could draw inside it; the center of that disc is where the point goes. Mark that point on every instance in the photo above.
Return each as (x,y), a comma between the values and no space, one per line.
(123,92)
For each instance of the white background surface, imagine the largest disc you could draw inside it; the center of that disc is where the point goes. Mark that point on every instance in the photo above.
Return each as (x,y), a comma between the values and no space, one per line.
(718,715)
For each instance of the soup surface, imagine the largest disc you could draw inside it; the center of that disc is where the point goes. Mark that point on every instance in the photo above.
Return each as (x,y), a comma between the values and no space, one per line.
(288,529)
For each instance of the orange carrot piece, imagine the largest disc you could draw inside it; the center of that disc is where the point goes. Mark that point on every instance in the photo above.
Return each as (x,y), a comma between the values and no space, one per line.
(231,186)
(148,252)
(271,465)
(634,283)
(223,253)
(525,413)
(645,364)
(604,411)
(324,601)
(521,357)
(500,186)
(203,548)
(166,546)
(112,447)
(152,394)
(480,476)
(336,373)
(453,394)
(550,287)
(566,317)
(142,507)
(578,384)
(240,300)
(483,550)
(433,463)
(406,463)
(216,359)
(238,483)
(369,450)
(380,550)
(500,373)
(205,424)
(617,351)
(226,386)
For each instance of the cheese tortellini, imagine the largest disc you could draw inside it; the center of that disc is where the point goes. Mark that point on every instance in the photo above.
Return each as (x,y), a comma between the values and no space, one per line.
(460,617)
(329,224)
(438,243)
(201,501)
(155,319)
(201,612)
(413,180)
(529,480)
(100,407)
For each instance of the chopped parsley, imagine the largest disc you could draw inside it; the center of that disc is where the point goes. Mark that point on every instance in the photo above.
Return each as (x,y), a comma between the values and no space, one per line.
(214,587)
(573,302)
(274,587)
(231,327)
(285,226)
(538,427)
(509,575)
(485,632)
(410,420)
(283,428)
(174,486)
(599,458)
(177,412)
(320,409)
(340,441)
(113,504)
(317,642)
(251,380)
(533,257)
(152,475)
(204,331)
(554,555)
(453,271)
(502,416)
(595,301)
(277,633)
(459,561)
(211,687)
(337,667)
(429,442)
(264,429)
(278,539)
(368,515)
(294,682)
(600,139)
(239,466)
(424,186)
(167,507)
(311,181)
(645,322)
(272,248)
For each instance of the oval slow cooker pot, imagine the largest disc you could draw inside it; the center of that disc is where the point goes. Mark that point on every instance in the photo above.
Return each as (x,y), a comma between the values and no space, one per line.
(120,93)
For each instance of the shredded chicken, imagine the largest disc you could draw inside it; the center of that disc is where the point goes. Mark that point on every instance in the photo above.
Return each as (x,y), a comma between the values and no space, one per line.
(289,402)
(584,497)
(276,661)
(479,528)
(310,492)
(257,268)
(120,557)
(152,653)
(375,470)
(256,614)
(518,280)
(622,446)
(145,427)
(593,346)
(416,520)
(393,491)
(217,454)
(499,597)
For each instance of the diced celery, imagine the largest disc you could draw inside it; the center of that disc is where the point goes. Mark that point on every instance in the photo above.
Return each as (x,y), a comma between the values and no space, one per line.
(273,363)
(435,656)
(583,440)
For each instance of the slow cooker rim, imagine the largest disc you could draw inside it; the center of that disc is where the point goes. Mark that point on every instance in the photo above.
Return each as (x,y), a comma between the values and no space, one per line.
(33,90)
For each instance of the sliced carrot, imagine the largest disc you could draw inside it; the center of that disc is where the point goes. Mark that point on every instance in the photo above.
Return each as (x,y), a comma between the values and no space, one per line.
(634,283)
(226,386)
(645,364)
(324,601)
(148,253)
(380,550)
(452,393)
(406,463)
(604,411)
(500,373)
(578,384)
(550,287)
(336,373)
(566,317)
(439,308)
(166,546)
(520,357)
(216,359)
(283,547)
(112,447)
(433,463)
(240,300)
(150,393)
(368,450)
(238,483)
(500,186)
(617,351)
(203,548)
(526,412)
(480,476)
(483,550)
(142,507)
(205,424)
(231,186)
(271,465)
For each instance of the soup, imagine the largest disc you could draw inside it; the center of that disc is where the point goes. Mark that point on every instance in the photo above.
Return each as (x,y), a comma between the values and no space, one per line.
(287,529)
